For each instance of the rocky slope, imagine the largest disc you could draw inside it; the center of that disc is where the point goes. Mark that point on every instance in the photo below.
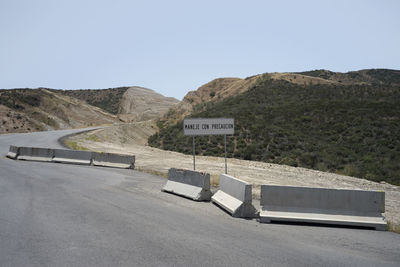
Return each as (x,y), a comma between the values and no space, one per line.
(141,104)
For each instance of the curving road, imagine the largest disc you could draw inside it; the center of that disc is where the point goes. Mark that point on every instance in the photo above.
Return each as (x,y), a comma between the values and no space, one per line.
(66,215)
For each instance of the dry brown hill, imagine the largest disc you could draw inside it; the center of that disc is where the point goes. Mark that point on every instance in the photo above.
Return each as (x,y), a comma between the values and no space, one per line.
(27,110)
(106,99)
(128,103)
(141,104)
(221,88)
(216,90)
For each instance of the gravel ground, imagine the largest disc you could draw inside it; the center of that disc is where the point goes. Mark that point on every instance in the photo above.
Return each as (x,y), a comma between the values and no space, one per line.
(131,139)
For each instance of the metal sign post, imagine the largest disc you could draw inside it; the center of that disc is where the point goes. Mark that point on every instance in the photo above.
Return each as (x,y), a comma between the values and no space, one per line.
(226,166)
(194,153)
(217,126)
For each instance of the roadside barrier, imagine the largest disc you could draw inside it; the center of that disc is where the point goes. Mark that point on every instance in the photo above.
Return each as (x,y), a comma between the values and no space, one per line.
(72,156)
(235,197)
(35,154)
(322,205)
(278,203)
(113,160)
(190,184)
(13,152)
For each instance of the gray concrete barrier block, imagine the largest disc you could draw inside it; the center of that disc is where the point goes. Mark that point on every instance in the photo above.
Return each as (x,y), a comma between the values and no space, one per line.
(235,197)
(190,184)
(72,156)
(322,205)
(35,154)
(13,152)
(113,160)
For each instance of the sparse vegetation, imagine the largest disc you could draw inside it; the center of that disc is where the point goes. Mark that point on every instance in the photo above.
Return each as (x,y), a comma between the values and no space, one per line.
(347,129)
(106,99)
(74,145)
(393,227)
(16,99)
(151,171)
(370,76)
(43,109)
(92,137)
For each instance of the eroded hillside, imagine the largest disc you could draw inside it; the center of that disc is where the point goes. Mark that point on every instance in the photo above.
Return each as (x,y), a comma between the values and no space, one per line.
(130,104)
(26,110)
(214,91)
(141,104)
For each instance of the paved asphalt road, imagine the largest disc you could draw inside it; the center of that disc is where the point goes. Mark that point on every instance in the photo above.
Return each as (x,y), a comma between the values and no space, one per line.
(66,215)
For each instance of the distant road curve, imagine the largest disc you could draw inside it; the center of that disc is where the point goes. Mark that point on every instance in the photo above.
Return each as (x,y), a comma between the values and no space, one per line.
(48,139)
(68,215)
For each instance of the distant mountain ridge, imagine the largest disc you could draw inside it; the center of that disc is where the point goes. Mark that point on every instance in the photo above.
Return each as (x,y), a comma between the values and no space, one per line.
(368,76)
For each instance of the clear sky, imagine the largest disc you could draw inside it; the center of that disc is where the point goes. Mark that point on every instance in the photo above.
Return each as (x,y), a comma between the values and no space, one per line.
(174,46)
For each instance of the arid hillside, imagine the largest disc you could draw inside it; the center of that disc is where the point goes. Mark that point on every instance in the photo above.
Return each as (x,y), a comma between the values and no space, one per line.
(28,110)
(327,125)
(214,91)
(141,104)
(128,103)
(222,88)
(106,99)
(368,76)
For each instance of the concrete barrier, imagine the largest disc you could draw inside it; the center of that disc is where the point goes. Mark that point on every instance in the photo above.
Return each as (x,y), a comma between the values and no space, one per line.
(72,156)
(13,152)
(35,154)
(113,160)
(190,184)
(235,197)
(321,205)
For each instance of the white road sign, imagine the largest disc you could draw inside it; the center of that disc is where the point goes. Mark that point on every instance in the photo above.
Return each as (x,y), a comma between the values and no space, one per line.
(217,126)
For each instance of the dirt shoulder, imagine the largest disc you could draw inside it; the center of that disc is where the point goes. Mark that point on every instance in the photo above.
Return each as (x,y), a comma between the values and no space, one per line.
(132,138)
